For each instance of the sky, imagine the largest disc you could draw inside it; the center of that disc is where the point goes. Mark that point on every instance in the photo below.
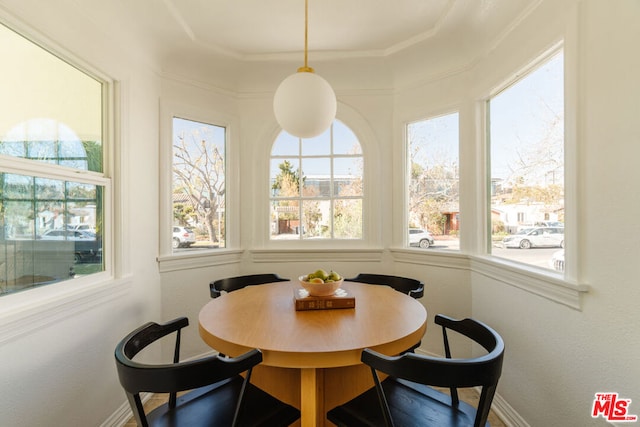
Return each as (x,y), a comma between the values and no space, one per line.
(519,117)
(213,134)
(315,153)
(520,114)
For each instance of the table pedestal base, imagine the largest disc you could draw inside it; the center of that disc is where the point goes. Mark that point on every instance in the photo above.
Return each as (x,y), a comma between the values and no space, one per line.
(313,390)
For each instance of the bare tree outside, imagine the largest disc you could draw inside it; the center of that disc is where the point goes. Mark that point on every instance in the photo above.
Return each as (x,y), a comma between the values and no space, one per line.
(526,139)
(527,146)
(433,193)
(199,177)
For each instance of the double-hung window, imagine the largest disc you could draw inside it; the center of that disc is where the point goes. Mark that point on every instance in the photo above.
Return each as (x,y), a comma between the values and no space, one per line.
(54,192)
(527,173)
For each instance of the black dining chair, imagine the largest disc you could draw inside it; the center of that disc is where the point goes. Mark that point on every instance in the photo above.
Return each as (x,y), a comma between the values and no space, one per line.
(412,287)
(231,284)
(218,394)
(405,397)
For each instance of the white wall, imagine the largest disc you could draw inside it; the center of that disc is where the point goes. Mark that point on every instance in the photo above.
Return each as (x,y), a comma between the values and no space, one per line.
(556,357)
(57,342)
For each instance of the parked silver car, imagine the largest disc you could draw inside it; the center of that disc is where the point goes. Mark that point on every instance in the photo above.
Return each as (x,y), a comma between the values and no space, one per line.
(536,237)
(87,246)
(420,237)
(183,237)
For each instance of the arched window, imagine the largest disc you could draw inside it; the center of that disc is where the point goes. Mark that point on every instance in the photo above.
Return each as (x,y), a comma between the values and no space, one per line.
(316,186)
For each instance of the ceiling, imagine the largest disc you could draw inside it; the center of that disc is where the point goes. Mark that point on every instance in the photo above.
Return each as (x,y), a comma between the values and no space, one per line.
(235,32)
(256,29)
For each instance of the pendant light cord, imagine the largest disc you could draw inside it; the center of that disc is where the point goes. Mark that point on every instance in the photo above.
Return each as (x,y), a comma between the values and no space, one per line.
(306,30)
(306,67)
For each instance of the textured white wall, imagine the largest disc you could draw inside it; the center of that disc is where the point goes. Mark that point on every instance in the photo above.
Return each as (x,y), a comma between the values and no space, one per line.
(56,345)
(557,358)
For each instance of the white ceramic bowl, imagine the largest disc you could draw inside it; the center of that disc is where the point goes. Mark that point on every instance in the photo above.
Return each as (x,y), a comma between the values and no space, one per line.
(320,289)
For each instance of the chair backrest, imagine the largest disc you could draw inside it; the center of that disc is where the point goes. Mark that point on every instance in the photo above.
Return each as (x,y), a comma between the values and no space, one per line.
(411,287)
(136,377)
(483,371)
(231,284)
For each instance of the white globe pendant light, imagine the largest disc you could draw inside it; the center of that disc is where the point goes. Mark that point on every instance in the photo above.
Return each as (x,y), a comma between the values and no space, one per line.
(304,104)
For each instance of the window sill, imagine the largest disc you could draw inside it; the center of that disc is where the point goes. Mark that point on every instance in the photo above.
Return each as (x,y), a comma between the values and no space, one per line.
(435,257)
(198,259)
(299,255)
(33,309)
(549,285)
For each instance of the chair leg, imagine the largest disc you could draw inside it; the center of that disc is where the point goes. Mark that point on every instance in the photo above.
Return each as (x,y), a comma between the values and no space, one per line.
(138,409)
(484,405)
(240,403)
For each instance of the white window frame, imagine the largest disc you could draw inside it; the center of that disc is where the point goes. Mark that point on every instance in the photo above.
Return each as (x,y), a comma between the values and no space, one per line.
(376,181)
(33,308)
(565,288)
(167,259)
(301,198)
(407,169)
(371,240)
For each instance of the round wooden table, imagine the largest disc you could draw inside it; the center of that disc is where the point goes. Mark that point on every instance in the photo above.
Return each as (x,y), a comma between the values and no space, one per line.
(311,359)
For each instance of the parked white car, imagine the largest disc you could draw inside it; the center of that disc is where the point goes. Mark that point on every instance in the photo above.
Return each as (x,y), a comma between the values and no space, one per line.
(420,237)
(60,234)
(183,237)
(82,227)
(536,237)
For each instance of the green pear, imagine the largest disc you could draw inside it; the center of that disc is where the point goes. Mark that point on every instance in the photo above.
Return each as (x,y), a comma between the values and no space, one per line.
(321,274)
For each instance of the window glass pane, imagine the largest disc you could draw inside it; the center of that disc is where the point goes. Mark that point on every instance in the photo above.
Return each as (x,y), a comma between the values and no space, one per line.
(17,220)
(345,141)
(285,177)
(49,189)
(55,115)
(315,219)
(434,205)
(51,225)
(285,219)
(18,187)
(51,231)
(526,138)
(198,185)
(316,177)
(286,145)
(347,219)
(319,145)
(347,176)
(330,171)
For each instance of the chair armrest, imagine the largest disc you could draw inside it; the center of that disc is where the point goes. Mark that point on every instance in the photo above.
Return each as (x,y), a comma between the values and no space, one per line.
(418,292)
(215,293)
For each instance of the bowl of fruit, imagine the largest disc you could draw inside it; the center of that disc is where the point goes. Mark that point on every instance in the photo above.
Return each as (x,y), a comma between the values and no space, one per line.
(320,283)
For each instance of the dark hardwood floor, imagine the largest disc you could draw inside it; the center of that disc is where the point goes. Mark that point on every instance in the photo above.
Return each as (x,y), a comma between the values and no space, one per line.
(468,395)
